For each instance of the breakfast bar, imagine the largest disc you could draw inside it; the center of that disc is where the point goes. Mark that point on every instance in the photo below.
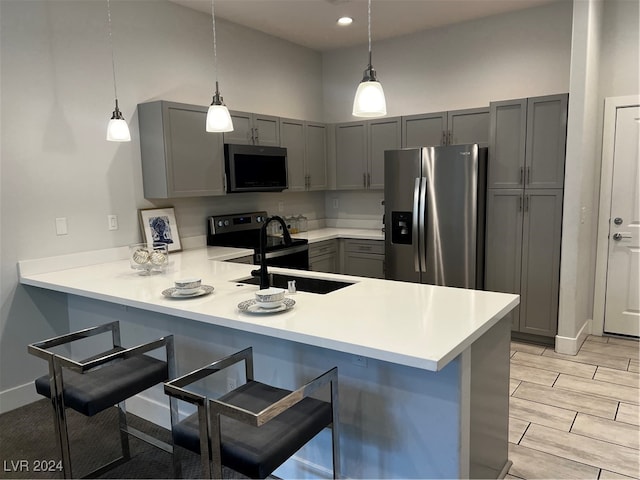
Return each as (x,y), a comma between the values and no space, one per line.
(423,370)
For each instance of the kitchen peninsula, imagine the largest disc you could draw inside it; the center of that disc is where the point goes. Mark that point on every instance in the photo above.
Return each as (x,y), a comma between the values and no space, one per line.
(423,370)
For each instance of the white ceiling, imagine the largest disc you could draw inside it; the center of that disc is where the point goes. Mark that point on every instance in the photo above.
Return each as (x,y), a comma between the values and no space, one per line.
(312,23)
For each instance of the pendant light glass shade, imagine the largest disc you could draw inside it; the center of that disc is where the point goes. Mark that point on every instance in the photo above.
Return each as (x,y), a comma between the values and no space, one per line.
(369,100)
(218,117)
(118,130)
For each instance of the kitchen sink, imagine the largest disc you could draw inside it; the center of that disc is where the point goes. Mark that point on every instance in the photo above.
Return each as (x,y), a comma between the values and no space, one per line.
(303,284)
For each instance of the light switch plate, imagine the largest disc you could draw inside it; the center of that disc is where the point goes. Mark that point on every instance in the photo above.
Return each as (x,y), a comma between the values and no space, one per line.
(112,222)
(61,226)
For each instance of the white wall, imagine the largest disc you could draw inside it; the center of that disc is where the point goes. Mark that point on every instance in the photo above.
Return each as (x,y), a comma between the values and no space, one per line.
(519,54)
(56,100)
(604,63)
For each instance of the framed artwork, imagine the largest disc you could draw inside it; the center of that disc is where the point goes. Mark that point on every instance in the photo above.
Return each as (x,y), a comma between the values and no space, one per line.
(159,226)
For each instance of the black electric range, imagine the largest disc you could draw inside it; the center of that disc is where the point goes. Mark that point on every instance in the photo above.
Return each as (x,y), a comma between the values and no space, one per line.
(242,230)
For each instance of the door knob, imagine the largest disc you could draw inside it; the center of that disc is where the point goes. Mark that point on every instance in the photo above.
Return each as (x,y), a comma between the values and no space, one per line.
(619,236)
(617,221)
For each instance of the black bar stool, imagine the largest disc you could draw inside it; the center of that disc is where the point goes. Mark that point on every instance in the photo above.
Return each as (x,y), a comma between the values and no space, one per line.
(256,427)
(101,381)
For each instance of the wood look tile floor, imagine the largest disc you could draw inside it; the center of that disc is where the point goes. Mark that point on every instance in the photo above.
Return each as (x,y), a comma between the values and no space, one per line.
(575,416)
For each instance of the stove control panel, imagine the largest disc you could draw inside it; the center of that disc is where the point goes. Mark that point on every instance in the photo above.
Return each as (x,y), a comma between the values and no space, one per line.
(236,223)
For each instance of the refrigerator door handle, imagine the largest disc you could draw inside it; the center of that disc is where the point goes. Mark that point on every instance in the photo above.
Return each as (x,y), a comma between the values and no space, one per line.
(414,233)
(423,224)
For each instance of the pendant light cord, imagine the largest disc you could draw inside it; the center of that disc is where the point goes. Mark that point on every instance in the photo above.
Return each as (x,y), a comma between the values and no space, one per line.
(215,50)
(368,29)
(113,61)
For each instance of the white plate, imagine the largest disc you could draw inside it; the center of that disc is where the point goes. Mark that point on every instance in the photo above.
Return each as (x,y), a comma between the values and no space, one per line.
(250,306)
(175,293)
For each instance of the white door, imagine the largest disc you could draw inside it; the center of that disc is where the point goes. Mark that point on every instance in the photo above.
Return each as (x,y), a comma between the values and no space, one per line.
(622,301)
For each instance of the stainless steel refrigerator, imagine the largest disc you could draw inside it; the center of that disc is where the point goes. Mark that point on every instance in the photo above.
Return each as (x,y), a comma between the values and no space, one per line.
(434,203)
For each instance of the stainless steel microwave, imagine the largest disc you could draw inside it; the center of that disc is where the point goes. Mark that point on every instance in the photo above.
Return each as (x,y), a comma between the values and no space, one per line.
(255,168)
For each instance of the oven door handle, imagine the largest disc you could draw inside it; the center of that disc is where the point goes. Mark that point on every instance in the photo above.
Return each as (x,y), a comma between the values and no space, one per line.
(281,252)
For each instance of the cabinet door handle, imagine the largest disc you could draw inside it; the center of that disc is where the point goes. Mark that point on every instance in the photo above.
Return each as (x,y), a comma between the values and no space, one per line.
(256,139)
(527,176)
(364,180)
(526,203)
(444,137)
(368,180)
(450,140)
(521,180)
(520,203)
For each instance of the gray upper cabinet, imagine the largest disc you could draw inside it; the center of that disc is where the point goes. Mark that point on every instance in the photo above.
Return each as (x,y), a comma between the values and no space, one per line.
(306,144)
(384,134)
(360,150)
(424,130)
(446,128)
(292,138)
(253,129)
(527,142)
(316,156)
(179,157)
(351,155)
(468,126)
(546,141)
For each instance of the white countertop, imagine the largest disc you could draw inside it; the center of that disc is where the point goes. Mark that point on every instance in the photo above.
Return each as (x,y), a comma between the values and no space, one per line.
(421,326)
(331,233)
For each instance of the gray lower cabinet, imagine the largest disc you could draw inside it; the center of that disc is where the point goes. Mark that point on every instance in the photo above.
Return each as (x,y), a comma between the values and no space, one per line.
(306,144)
(523,233)
(360,150)
(253,129)
(323,256)
(363,258)
(179,157)
(446,128)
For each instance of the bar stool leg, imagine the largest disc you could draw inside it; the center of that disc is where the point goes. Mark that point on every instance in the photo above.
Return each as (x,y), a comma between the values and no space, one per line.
(335,429)
(59,416)
(124,435)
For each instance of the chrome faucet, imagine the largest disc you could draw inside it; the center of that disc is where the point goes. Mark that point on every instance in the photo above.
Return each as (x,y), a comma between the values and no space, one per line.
(262,272)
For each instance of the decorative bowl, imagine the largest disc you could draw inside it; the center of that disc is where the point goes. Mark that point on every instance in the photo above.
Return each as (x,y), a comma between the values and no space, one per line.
(187,286)
(270,297)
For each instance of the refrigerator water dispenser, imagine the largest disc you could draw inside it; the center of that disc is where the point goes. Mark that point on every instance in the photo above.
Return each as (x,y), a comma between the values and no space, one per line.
(401,227)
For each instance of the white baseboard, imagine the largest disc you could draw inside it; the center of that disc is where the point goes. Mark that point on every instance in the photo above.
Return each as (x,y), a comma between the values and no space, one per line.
(571,345)
(18,396)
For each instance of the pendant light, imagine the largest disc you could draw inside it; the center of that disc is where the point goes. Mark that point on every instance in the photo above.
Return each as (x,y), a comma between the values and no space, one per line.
(369,100)
(218,117)
(117,130)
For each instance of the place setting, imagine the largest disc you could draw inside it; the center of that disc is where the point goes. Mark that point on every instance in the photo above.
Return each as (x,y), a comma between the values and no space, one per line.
(267,301)
(187,288)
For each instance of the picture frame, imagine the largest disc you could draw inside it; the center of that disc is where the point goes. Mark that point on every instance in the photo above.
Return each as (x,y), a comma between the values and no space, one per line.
(159,226)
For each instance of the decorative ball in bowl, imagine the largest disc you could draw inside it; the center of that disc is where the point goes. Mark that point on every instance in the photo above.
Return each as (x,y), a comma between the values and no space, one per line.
(186,286)
(270,297)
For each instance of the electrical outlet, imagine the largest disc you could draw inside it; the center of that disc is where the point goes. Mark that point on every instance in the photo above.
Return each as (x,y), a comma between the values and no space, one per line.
(280,207)
(336,203)
(359,360)
(112,222)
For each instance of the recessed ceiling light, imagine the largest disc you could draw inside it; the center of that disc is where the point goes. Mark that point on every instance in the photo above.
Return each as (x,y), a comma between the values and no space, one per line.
(343,21)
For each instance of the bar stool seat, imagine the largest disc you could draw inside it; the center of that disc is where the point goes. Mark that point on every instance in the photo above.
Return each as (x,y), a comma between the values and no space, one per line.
(256,452)
(94,391)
